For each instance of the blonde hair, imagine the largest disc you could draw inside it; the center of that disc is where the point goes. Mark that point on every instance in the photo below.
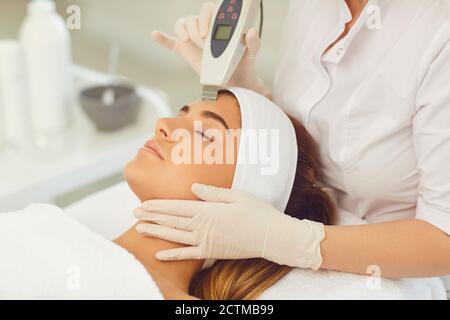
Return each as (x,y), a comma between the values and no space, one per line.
(248,279)
(237,280)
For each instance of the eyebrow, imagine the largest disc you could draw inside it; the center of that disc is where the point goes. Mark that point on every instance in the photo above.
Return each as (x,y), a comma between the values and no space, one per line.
(210,115)
(185,109)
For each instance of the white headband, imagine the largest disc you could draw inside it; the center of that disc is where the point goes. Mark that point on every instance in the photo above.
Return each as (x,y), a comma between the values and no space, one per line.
(276,137)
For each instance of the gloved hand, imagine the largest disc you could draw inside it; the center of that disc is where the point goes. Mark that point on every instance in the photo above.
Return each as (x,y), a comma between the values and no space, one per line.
(231,225)
(191,33)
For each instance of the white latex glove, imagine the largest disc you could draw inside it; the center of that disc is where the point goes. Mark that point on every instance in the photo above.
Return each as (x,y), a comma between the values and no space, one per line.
(231,225)
(191,33)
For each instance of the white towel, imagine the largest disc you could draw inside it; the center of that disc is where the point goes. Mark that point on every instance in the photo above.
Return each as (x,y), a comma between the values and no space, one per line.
(329,285)
(45,254)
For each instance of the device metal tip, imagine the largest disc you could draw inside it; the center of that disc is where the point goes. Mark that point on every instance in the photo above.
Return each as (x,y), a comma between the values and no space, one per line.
(209,93)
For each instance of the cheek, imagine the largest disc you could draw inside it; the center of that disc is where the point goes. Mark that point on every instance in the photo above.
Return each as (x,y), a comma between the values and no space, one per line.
(152,179)
(163,180)
(215,175)
(180,178)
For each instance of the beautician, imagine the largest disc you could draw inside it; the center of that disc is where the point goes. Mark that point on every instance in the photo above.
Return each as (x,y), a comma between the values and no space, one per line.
(376,97)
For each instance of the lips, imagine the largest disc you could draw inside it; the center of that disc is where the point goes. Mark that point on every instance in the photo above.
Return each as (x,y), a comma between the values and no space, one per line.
(152,147)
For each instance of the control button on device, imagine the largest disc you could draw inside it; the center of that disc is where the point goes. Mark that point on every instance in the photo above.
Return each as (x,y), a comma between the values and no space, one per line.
(225,25)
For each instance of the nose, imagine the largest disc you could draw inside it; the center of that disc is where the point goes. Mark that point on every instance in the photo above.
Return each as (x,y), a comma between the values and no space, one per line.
(163,129)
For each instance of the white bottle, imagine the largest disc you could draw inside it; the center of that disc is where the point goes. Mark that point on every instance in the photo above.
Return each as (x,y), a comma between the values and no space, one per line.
(14,112)
(46,45)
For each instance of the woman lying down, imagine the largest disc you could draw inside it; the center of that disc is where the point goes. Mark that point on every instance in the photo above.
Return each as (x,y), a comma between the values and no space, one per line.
(45,254)
(283,176)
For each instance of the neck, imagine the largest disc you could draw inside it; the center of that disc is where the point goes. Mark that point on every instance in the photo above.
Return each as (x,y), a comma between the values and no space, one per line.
(356,6)
(179,274)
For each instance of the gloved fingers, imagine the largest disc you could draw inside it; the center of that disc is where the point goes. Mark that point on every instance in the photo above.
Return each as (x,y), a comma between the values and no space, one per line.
(192,26)
(165,40)
(179,223)
(215,194)
(253,43)
(180,208)
(189,253)
(168,234)
(181,30)
(206,13)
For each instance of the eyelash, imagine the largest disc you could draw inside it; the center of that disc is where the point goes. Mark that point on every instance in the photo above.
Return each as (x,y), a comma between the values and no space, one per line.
(204,136)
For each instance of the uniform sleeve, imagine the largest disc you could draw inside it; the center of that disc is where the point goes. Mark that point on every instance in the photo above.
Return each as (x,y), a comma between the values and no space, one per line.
(431,127)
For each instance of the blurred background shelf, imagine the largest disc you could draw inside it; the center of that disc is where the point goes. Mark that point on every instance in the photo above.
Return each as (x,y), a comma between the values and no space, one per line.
(88,160)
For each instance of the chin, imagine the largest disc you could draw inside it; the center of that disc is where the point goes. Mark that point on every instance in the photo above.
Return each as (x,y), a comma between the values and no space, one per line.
(134,180)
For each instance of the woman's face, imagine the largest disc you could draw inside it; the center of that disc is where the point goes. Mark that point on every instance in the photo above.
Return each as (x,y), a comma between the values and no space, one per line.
(156,172)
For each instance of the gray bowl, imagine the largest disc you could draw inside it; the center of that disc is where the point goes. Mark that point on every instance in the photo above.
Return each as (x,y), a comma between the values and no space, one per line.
(123,112)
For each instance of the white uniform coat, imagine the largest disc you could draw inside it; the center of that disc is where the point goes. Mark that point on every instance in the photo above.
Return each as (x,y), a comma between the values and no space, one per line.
(378,103)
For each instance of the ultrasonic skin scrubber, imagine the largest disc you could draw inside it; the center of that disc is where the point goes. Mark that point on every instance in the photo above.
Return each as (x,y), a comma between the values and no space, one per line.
(225,44)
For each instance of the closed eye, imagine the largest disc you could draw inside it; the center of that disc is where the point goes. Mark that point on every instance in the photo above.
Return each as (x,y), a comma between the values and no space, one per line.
(204,136)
